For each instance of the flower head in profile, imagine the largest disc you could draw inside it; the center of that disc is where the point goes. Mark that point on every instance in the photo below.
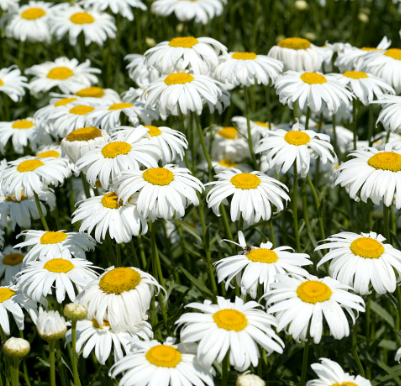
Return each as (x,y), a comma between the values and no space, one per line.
(51,326)
(13,83)
(391,112)
(122,7)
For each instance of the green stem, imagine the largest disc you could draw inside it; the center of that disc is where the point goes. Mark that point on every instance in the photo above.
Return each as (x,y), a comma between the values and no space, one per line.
(385,221)
(305,361)
(317,205)
(225,222)
(307,118)
(86,185)
(74,353)
(225,369)
(134,254)
(42,217)
(355,350)
(62,372)
(118,250)
(335,143)
(57,217)
(248,123)
(295,107)
(183,243)
(52,363)
(142,252)
(110,247)
(204,147)
(398,293)
(272,235)
(295,208)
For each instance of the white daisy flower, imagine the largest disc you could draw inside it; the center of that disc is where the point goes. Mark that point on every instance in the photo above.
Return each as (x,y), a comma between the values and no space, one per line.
(72,19)
(297,54)
(199,55)
(390,115)
(246,69)
(10,264)
(151,363)
(50,244)
(120,295)
(259,265)
(164,192)
(358,260)
(228,143)
(186,10)
(234,326)
(12,82)
(394,140)
(30,22)
(92,95)
(122,7)
(139,72)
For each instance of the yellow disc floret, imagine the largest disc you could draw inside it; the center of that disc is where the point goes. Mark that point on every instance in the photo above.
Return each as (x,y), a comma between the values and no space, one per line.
(294,43)
(22,124)
(244,55)
(33,13)
(184,42)
(367,248)
(119,280)
(13,259)
(394,53)
(6,293)
(297,138)
(179,78)
(228,132)
(245,181)
(163,356)
(60,73)
(228,163)
(386,160)
(262,255)
(312,291)
(29,165)
(82,18)
(90,92)
(110,200)
(81,110)
(84,134)
(154,131)
(96,324)
(158,176)
(48,154)
(263,124)
(51,237)
(113,149)
(355,74)
(65,101)
(230,320)
(313,78)
(58,266)
(120,106)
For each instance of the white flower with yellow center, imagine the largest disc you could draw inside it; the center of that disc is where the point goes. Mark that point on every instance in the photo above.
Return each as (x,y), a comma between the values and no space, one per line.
(198,55)
(10,264)
(313,90)
(361,260)
(302,304)
(50,244)
(12,83)
(120,295)
(297,54)
(122,7)
(253,195)
(93,95)
(67,74)
(139,72)
(168,362)
(30,22)
(246,69)
(373,174)
(234,326)
(107,214)
(164,192)
(186,10)
(181,91)
(330,373)
(228,143)
(297,145)
(390,115)
(259,265)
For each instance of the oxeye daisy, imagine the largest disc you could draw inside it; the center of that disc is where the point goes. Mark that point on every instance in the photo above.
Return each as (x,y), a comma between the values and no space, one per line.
(297,145)
(253,195)
(139,72)
(50,325)
(390,115)
(97,95)
(302,304)
(246,69)
(313,90)
(173,363)
(72,19)
(199,55)
(228,143)
(122,7)
(10,264)
(121,296)
(164,192)
(297,54)
(109,215)
(64,73)
(259,265)
(41,115)
(50,244)
(361,260)
(12,83)
(229,326)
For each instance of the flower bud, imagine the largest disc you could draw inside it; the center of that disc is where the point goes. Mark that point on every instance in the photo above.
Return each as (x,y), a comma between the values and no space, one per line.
(363,17)
(301,5)
(247,379)
(310,36)
(51,326)
(75,311)
(150,41)
(16,347)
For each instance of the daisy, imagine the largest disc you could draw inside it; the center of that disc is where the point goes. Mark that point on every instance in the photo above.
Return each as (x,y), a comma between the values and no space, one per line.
(297,54)
(313,90)
(358,260)
(97,95)
(185,10)
(150,362)
(164,192)
(64,73)
(122,7)
(246,69)
(139,71)
(228,143)
(72,19)
(373,174)
(199,55)
(122,295)
(253,193)
(41,115)
(109,215)
(12,83)
(259,265)
(10,264)
(234,326)
(301,303)
(390,115)
(30,22)
(51,326)
(50,244)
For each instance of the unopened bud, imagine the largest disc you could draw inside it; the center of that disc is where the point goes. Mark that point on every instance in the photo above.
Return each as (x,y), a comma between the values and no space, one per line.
(16,347)
(75,311)
(301,5)
(51,326)
(247,379)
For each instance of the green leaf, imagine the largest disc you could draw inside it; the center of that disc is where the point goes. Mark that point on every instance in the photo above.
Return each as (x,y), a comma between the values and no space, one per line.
(43,362)
(382,313)
(196,282)
(190,230)
(392,373)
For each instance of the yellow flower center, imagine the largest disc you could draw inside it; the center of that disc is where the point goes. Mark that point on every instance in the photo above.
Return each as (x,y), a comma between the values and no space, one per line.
(154,131)
(29,165)
(60,73)
(228,132)
(313,78)
(90,92)
(227,163)
(13,198)
(59,266)
(386,160)
(13,259)
(244,55)
(120,106)
(163,356)
(262,255)
(96,324)
(110,200)
(49,153)
(312,291)
(185,42)
(51,237)
(82,18)
(394,53)
(370,49)
(84,134)
(65,101)
(297,138)
(179,78)
(355,74)
(344,384)
(245,181)
(158,176)
(1,83)
(33,13)
(231,320)
(81,110)
(22,124)
(119,280)
(263,124)
(367,248)
(5,294)
(113,149)
(294,43)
